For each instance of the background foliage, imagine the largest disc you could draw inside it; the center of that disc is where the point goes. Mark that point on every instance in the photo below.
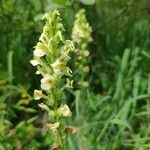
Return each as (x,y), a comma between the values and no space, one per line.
(114,112)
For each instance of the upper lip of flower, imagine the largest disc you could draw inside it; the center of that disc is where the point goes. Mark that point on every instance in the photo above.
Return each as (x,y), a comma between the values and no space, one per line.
(38,52)
(34,62)
(58,66)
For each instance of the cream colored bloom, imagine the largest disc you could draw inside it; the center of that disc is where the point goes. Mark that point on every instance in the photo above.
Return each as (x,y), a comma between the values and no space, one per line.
(38,52)
(58,67)
(86,53)
(44,107)
(53,126)
(38,94)
(64,111)
(81,29)
(55,146)
(77,34)
(34,62)
(40,49)
(47,82)
(38,72)
(86,69)
(84,84)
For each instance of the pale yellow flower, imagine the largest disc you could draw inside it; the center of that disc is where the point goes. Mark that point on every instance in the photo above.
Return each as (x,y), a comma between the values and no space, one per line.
(84,84)
(55,146)
(47,82)
(53,126)
(34,62)
(79,58)
(69,83)
(58,67)
(86,69)
(38,72)
(86,53)
(40,49)
(64,111)
(77,34)
(38,52)
(38,94)
(44,107)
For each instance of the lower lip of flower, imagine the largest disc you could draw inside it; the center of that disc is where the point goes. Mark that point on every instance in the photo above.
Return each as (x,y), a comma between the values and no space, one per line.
(46,83)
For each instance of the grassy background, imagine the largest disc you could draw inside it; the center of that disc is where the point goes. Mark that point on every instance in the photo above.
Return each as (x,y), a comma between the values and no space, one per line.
(114,112)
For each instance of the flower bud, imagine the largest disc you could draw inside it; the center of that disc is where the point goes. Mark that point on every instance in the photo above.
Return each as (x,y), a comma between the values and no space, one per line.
(86,69)
(86,53)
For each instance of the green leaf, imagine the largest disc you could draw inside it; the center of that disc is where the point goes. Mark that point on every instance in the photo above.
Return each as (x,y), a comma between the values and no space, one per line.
(120,122)
(88,2)
(62,2)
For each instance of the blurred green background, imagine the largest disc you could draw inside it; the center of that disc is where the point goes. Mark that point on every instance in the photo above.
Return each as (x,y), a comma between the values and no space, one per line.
(113,113)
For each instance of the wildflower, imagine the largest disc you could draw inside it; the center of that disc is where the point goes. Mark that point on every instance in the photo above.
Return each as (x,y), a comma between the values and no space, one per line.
(55,146)
(68,47)
(64,111)
(44,107)
(40,49)
(58,67)
(38,94)
(86,53)
(38,72)
(34,62)
(79,58)
(81,36)
(84,84)
(38,52)
(47,82)
(53,67)
(69,83)
(43,38)
(86,69)
(53,126)
(81,29)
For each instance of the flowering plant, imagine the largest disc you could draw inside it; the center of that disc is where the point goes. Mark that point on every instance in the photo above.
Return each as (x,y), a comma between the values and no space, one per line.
(51,55)
(81,36)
